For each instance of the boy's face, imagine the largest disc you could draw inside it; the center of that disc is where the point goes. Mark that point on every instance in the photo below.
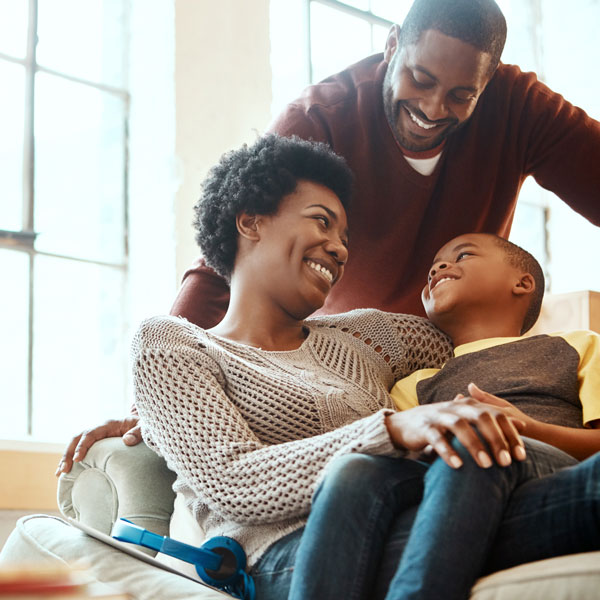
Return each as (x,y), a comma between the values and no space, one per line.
(469,273)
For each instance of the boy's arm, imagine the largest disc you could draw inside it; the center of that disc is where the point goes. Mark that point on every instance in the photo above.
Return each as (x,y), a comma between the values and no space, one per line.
(579,443)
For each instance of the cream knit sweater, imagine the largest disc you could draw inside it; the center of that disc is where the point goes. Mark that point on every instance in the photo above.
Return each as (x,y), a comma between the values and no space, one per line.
(250,432)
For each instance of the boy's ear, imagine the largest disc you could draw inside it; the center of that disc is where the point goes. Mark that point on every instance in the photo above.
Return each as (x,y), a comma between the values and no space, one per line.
(247,226)
(525,285)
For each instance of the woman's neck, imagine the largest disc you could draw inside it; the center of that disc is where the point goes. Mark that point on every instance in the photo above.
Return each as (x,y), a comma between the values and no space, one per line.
(253,320)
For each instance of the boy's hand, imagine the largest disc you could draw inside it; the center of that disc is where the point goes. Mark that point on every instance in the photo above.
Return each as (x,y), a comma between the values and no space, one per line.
(509,409)
(433,424)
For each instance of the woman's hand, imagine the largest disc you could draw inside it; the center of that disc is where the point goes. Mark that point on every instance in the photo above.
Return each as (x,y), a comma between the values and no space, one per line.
(433,424)
(128,428)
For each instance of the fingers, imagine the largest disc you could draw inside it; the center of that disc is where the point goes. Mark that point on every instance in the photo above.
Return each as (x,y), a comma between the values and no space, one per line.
(439,443)
(497,429)
(133,436)
(66,460)
(463,430)
(512,425)
(80,444)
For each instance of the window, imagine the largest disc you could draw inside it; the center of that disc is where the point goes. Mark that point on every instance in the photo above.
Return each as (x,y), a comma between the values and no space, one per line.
(342,33)
(63,214)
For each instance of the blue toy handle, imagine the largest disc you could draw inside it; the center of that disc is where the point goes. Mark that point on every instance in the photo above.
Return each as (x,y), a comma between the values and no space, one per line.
(220,561)
(126,531)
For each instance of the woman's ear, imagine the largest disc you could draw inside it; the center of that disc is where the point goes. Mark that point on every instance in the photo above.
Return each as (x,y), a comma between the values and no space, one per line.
(391,44)
(247,226)
(525,285)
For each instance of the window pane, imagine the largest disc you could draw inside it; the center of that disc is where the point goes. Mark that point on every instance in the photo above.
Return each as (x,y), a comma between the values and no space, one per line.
(337,40)
(13,27)
(14,325)
(12,83)
(83,38)
(80,354)
(392,10)
(80,165)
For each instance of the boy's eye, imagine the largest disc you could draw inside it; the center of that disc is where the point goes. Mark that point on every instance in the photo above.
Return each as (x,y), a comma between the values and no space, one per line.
(461,255)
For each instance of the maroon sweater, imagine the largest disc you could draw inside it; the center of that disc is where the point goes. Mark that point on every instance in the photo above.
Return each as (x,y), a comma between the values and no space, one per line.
(400,218)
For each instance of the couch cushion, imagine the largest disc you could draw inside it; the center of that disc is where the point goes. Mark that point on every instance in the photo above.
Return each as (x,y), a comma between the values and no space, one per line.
(43,539)
(562,578)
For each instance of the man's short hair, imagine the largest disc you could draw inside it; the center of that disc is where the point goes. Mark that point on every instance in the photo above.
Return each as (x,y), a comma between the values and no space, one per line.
(476,22)
(526,262)
(254,179)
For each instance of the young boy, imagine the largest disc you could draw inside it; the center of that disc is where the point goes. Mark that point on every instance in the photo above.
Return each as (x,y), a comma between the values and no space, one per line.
(485,293)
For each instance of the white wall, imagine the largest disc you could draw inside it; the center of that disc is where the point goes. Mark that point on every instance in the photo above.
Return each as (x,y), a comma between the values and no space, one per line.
(222,93)
(200,82)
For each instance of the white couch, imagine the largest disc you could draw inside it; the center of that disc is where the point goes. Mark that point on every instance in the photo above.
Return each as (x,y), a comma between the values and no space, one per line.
(119,481)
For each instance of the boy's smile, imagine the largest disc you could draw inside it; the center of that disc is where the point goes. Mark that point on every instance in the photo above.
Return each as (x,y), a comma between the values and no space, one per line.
(441,278)
(470,280)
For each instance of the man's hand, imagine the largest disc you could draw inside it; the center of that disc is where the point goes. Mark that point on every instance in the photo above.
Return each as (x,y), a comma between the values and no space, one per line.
(432,424)
(128,428)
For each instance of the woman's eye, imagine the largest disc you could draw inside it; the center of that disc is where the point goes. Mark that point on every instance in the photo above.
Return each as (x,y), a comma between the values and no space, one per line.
(323,220)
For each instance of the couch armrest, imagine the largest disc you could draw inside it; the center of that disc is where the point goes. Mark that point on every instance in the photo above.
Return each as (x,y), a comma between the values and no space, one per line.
(114,481)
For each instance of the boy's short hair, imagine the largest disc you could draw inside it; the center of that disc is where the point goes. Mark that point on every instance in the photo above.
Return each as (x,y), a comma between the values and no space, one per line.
(525,261)
(254,179)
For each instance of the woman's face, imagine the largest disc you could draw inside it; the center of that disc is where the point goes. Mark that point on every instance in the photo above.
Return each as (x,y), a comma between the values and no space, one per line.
(303,248)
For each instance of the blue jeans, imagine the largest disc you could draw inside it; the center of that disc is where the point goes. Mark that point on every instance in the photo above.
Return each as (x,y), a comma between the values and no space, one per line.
(365,537)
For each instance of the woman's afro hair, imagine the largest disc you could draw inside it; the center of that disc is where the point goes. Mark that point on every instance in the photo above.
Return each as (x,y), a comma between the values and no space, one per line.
(254,179)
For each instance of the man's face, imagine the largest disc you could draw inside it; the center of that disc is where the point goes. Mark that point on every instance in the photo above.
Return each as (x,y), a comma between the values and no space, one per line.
(431,87)
(470,273)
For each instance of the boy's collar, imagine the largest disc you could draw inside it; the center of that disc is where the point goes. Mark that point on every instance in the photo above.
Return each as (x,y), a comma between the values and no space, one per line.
(483,344)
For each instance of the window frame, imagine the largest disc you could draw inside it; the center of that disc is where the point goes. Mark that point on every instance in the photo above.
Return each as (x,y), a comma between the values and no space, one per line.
(23,240)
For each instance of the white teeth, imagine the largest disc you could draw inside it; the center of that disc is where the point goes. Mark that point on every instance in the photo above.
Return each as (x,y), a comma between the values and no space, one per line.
(420,123)
(442,280)
(321,269)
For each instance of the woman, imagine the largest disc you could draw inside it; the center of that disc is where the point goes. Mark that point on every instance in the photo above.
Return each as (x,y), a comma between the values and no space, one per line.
(255,413)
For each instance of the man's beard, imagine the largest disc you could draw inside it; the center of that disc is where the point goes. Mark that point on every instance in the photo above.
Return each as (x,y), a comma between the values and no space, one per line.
(392,110)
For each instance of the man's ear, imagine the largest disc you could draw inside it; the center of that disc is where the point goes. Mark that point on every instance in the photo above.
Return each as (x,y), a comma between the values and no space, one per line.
(391,44)
(525,285)
(247,226)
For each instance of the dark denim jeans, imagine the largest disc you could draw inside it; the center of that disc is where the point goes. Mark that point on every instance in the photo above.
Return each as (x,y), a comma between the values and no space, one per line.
(398,529)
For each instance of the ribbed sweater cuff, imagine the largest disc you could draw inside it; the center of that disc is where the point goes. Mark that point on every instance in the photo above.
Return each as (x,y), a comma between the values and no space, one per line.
(376,439)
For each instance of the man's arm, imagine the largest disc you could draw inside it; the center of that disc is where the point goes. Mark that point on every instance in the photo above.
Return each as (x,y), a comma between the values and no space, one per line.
(563,149)
(203,297)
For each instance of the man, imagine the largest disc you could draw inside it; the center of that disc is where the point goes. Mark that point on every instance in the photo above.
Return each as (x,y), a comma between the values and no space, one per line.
(440,137)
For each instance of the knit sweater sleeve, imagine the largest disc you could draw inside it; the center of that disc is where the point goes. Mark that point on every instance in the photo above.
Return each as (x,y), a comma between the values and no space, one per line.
(188,418)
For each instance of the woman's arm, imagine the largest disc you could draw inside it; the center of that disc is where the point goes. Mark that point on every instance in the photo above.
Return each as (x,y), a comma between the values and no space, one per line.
(189,419)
